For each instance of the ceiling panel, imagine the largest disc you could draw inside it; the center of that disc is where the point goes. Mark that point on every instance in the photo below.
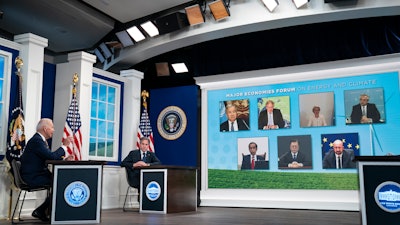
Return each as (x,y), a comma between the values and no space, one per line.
(128,10)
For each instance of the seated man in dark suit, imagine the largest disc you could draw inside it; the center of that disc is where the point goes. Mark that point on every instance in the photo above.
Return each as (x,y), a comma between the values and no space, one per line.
(233,123)
(270,118)
(253,161)
(365,112)
(137,159)
(338,157)
(294,158)
(34,170)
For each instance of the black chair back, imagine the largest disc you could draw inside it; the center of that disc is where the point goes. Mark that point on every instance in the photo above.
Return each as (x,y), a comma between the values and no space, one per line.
(16,166)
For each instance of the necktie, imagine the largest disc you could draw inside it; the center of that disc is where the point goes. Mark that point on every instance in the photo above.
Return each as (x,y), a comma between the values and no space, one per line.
(364,111)
(270,119)
(252,163)
(144,157)
(294,156)
(232,128)
(339,162)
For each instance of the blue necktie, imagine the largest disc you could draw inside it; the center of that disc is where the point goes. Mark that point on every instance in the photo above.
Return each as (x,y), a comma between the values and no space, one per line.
(144,157)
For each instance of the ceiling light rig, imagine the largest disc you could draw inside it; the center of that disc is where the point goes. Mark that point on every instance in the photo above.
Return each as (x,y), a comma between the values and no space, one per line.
(150,28)
(219,9)
(195,14)
(300,3)
(124,38)
(136,34)
(271,4)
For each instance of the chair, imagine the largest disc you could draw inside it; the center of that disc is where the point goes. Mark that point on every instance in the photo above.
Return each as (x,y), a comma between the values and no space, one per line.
(23,187)
(127,191)
(262,155)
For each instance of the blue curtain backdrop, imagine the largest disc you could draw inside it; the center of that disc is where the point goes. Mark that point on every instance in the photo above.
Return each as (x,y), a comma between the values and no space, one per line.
(182,151)
(49,83)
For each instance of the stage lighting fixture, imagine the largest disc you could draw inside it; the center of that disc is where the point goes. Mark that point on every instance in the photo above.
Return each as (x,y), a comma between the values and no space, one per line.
(219,9)
(194,15)
(124,38)
(113,44)
(106,52)
(271,4)
(135,33)
(171,22)
(150,28)
(162,69)
(99,55)
(300,3)
(179,67)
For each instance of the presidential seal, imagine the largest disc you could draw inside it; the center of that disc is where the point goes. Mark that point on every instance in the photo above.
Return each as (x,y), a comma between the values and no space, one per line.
(387,196)
(153,191)
(76,194)
(171,122)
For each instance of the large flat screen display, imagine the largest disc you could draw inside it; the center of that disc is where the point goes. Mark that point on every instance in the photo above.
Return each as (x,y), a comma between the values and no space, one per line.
(300,135)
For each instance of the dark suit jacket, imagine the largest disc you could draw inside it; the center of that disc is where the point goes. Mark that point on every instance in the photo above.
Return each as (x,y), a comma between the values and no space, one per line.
(263,119)
(372,112)
(134,173)
(242,125)
(246,163)
(287,158)
(329,161)
(34,170)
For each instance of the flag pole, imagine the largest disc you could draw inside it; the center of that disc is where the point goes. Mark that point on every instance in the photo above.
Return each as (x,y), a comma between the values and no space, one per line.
(18,63)
(75,80)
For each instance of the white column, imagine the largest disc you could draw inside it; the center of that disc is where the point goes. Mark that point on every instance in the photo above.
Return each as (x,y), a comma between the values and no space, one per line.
(131,109)
(82,64)
(32,53)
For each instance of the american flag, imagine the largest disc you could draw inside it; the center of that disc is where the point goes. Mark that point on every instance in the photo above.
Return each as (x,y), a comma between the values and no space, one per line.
(16,126)
(145,130)
(72,128)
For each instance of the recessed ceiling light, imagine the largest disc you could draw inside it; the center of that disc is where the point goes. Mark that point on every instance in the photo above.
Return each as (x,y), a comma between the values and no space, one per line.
(179,67)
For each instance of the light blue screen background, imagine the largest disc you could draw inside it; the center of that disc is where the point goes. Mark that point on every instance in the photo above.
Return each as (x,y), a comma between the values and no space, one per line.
(375,139)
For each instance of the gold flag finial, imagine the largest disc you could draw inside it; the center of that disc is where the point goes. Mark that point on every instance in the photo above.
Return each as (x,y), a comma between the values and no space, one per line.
(145,95)
(19,63)
(74,81)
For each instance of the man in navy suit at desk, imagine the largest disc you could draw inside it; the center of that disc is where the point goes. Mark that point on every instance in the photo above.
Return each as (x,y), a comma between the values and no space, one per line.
(294,158)
(233,123)
(338,157)
(137,159)
(34,169)
(365,112)
(253,161)
(270,118)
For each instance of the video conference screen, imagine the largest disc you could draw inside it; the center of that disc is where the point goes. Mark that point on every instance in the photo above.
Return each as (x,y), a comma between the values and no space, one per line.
(314,126)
